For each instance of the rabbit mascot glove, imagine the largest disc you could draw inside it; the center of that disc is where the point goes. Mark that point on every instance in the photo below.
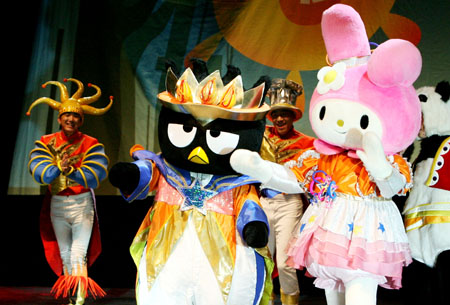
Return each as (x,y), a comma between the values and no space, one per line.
(364,110)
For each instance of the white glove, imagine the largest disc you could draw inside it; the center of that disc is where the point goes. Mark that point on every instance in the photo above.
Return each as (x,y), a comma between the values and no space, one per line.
(272,175)
(373,157)
(251,164)
(389,180)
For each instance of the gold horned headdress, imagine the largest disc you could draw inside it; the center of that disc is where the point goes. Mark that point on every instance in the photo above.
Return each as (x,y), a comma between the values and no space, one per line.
(211,99)
(75,103)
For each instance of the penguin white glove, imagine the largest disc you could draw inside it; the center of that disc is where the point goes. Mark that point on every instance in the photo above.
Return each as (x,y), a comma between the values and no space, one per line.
(272,175)
(388,179)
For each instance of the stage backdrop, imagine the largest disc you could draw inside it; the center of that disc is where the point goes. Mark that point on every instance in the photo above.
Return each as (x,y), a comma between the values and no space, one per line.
(121,46)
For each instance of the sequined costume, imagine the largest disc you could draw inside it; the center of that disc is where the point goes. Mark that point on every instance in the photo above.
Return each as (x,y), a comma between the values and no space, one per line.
(348,230)
(88,168)
(280,150)
(189,246)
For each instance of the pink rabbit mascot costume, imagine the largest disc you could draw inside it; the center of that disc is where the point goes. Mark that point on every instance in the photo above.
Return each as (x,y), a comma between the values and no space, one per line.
(364,111)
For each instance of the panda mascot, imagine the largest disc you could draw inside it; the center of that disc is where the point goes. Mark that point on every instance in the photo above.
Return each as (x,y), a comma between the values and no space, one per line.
(427,208)
(204,238)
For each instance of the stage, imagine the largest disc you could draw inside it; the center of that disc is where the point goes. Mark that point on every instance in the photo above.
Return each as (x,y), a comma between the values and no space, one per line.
(26,278)
(115,296)
(125,296)
(41,295)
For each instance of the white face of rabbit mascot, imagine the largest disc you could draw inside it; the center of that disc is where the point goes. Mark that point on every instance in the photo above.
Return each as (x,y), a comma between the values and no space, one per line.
(364,110)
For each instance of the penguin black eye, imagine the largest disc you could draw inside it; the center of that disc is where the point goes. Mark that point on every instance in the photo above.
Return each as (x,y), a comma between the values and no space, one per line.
(187,128)
(214,133)
(322,112)
(423,98)
(221,142)
(364,122)
(181,135)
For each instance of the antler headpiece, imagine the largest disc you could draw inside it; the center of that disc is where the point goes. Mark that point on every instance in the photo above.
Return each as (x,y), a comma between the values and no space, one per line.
(76,103)
(210,99)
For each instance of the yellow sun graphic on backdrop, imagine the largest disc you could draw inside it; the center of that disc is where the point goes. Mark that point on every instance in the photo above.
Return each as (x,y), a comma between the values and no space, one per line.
(286,34)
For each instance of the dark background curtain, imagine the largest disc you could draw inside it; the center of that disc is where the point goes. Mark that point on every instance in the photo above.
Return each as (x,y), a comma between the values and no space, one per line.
(121,46)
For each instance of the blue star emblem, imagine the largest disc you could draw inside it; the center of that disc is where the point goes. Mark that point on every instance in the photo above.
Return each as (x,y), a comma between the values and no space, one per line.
(381,227)
(302,227)
(350,227)
(195,196)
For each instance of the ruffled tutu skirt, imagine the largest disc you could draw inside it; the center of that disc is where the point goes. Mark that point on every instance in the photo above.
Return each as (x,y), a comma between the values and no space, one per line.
(350,238)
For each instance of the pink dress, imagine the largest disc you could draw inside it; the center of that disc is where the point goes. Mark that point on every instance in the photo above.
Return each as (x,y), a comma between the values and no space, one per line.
(348,230)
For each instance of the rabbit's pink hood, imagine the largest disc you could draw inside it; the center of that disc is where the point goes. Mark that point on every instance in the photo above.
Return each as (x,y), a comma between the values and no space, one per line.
(382,81)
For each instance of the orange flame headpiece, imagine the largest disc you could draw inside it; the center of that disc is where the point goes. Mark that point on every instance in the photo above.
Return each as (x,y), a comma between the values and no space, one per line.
(76,103)
(210,99)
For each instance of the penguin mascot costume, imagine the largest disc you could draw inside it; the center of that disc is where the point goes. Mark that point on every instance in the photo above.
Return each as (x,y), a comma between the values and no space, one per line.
(204,238)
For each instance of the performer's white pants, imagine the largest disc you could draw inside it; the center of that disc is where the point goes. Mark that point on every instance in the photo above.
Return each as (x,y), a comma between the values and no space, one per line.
(72,218)
(284,212)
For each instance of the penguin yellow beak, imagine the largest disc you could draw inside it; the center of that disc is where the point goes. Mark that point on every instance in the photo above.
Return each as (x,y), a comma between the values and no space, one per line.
(199,156)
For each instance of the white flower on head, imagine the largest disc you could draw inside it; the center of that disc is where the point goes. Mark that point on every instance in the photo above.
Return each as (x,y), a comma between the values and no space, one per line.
(331,77)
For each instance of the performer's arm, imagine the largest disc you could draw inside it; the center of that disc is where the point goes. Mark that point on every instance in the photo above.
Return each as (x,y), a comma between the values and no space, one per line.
(43,165)
(93,168)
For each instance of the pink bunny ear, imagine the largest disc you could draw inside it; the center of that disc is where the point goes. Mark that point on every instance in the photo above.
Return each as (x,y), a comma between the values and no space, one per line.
(396,62)
(344,33)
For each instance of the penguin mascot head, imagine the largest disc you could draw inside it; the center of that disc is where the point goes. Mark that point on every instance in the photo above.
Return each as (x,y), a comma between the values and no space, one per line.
(205,117)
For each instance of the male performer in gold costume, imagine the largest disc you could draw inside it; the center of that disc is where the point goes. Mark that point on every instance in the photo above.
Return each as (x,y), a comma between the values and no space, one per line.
(281,142)
(72,164)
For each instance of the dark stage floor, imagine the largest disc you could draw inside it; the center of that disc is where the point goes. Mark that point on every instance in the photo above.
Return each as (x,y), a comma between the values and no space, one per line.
(41,296)
(124,296)
(29,284)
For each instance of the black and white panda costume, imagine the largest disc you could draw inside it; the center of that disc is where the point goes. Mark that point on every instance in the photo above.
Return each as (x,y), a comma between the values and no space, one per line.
(427,208)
